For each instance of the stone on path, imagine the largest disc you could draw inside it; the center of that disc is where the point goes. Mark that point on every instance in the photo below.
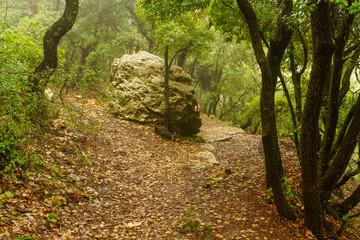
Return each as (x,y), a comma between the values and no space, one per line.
(137,91)
(206,156)
(215,132)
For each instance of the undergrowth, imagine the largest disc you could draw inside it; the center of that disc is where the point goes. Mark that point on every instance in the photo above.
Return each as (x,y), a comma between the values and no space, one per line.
(191,225)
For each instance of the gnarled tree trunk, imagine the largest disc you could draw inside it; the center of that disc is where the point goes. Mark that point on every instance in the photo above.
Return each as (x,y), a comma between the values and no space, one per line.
(270,67)
(51,40)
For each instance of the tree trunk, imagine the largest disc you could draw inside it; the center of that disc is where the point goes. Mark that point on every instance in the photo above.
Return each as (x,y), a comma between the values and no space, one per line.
(349,203)
(333,104)
(296,75)
(7,7)
(323,49)
(192,69)
(209,109)
(343,155)
(342,131)
(214,106)
(247,124)
(255,129)
(292,114)
(270,66)
(166,90)
(51,40)
(85,52)
(345,86)
(181,60)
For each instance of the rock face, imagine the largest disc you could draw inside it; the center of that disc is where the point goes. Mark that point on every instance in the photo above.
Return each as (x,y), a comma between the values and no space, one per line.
(137,91)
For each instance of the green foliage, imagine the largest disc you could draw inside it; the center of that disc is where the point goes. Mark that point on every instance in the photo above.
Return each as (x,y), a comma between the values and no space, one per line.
(269,193)
(189,139)
(354,8)
(52,217)
(160,10)
(207,183)
(227,75)
(26,237)
(189,26)
(226,16)
(22,113)
(200,138)
(178,33)
(87,160)
(289,192)
(4,196)
(91,198)
(95,41)
(189,225)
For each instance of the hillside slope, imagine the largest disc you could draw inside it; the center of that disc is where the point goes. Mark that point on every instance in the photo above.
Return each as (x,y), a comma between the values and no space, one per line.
(123,181)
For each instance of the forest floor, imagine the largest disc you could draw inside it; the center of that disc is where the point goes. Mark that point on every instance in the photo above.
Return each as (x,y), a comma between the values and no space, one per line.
(99,177)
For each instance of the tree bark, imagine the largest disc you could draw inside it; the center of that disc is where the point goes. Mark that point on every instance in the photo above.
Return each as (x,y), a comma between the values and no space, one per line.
(349,203)
(85,52)
(345,83)
(270,66)
(323,49)
(296,75)
(292,114)
(343,130)
(343,155)
(181,60)
(247,124)
(51,40)
(166,90)
(333,103)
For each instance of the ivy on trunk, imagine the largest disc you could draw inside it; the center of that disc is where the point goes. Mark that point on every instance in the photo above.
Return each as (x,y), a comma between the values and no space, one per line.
(51,40)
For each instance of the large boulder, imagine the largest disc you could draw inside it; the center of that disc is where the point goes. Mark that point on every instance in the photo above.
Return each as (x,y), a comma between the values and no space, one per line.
(138,93)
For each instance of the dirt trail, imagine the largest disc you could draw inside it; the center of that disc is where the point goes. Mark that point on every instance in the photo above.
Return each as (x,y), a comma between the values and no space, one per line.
(136,185)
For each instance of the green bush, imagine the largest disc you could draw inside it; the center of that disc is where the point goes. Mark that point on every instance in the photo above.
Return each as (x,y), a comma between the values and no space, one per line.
(22,113)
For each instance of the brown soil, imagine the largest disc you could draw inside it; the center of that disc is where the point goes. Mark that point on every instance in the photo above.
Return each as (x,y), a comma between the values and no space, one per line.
(122,181)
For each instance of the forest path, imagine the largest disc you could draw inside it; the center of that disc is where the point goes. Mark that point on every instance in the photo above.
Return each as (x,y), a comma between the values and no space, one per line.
(137,185)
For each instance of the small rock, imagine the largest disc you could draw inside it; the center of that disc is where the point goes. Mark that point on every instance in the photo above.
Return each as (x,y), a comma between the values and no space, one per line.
(49,94)
(207,156)
(208,147)
(134,224)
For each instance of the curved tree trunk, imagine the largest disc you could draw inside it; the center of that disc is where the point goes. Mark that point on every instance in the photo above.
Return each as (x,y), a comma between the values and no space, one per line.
(51,40)
(270,67)
(181,60)
(349,203)
(247,124)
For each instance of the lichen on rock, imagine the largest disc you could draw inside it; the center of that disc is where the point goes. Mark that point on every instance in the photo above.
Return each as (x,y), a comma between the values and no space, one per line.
(137,93)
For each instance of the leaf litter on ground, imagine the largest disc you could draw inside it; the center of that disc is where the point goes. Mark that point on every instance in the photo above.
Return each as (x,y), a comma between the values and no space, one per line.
(109,178)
